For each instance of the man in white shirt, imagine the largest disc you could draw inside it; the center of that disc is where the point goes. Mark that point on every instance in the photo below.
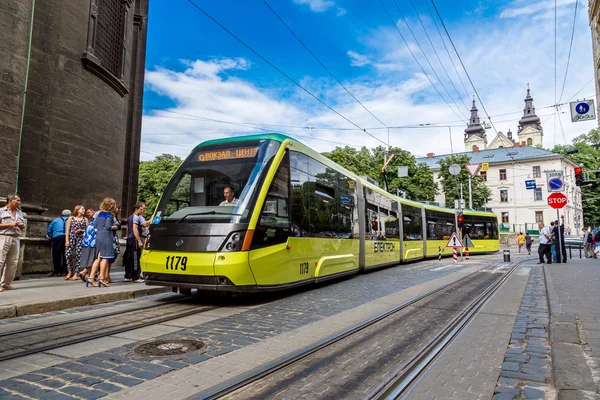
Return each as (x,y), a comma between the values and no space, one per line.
(230,199)
(545,243)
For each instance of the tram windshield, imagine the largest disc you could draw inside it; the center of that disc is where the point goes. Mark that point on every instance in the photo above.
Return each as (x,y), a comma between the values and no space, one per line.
(196,191)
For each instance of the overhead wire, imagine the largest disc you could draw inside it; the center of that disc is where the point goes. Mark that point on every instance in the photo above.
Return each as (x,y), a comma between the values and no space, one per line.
(426,58)
(463,66)
(417,61)
(446,47)
(282,72)
(437,55)
(320,63)
(570,48)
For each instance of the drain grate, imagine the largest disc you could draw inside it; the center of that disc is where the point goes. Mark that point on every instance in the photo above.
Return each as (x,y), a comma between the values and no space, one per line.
(161,348)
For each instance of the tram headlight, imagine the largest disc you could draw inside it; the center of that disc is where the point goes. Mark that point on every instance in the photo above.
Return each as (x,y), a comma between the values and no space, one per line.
(147,245)
(234,241)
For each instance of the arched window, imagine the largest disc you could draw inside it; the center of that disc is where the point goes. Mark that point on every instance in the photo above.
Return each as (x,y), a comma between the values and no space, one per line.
(529,142)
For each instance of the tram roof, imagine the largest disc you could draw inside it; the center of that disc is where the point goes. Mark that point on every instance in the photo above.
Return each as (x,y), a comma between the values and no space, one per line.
(262,136)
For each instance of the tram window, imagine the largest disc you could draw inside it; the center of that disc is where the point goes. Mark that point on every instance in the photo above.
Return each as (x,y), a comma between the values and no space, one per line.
(300,194)
(440,225)
(412,223)
(274,224)
(180,198)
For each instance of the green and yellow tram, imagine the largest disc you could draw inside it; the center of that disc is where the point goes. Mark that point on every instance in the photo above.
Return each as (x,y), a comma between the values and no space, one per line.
(295,218)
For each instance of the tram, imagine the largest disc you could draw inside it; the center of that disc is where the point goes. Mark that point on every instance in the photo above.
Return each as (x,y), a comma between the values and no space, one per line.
(295,217)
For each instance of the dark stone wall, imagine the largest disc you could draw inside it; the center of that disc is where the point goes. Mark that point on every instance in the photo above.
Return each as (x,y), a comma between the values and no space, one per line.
(74,132)
(15,18)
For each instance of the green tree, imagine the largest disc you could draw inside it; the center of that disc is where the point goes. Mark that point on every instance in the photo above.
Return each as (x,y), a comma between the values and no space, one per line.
(451,184)
(154,177)
(585,152)
(419,185)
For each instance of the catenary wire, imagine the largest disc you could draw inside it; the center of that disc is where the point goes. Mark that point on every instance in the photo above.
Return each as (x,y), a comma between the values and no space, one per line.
(417,61)
(446,47)
(437,55)
(463,66)
(320,63)
(583,87)
(570,48)
(281,72)
(424,55)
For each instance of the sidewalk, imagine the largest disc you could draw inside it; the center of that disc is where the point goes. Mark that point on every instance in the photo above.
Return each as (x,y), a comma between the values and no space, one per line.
(39,295)
(574,297)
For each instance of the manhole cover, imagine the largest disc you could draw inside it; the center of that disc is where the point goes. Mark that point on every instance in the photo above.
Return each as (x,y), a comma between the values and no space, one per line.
(168,347)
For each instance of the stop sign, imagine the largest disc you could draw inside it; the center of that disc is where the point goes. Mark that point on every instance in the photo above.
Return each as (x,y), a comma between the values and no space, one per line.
(557,200)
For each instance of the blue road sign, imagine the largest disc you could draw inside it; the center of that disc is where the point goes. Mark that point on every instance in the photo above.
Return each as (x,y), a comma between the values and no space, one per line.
(582,108)
(530,184)
(555,183)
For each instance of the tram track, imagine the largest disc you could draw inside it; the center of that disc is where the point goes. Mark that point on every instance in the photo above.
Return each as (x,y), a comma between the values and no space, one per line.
(333,355)
(37,339)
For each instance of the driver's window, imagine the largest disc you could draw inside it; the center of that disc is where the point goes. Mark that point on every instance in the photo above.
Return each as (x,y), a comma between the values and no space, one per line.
(180,198)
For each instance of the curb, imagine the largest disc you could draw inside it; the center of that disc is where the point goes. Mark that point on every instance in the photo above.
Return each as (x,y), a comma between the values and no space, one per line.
(19,310)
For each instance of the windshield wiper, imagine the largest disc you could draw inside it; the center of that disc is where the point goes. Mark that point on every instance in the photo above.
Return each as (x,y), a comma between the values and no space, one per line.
(207,213)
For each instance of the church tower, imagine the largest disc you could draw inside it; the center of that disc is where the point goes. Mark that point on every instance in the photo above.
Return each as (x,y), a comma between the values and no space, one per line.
(475,133)
(530,127)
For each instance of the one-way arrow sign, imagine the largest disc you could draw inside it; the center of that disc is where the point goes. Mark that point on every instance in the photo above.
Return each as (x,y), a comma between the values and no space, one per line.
(454,241)
(472,168)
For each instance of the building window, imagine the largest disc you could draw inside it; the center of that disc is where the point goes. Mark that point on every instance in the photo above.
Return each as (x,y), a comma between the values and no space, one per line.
(106,47)
(505,218)
(504,196)
(537,172)
(539,216)
(529,142)
(502,174)
(538,194)
(483,175)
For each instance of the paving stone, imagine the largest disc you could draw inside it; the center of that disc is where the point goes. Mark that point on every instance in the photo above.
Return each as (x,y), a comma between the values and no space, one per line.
(68,377)
(87,394)
(18,386)
(510,366)
(174,364)
(198,359)
(53,383)
(531,393)
(33,377)
(518,336)
(107,387)
(505,389)
(87,381)
(126,369)
(519,358)
(503,396)
(507,382)
(126,380)
(146,375)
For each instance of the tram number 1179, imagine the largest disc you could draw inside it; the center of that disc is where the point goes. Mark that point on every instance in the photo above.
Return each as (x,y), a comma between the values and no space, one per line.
(303,268)
(176,263)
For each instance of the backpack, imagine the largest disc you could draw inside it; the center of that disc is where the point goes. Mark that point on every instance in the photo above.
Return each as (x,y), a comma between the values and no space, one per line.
(590,238)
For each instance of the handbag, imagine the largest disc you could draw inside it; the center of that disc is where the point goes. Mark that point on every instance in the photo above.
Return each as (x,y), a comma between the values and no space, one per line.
(116,245)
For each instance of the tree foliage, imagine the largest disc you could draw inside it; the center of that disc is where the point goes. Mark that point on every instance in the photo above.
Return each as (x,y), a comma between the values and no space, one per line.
(451,184)
(585,151)
(154,177)
(419,185)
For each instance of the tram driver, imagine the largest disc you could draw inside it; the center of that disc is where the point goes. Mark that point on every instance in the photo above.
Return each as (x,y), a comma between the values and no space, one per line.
(230,199)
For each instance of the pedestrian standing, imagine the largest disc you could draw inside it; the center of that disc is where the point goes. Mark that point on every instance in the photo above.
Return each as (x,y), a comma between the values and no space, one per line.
(587,242)
(544,239)
(136,226)
(56,232)
(76,225)
(520,241)
(89,253)
(11,223)
(552,240)
(563,247)
(528,242)
(105,224)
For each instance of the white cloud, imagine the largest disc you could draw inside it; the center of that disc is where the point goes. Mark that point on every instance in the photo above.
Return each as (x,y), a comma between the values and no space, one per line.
(357,59)
(515,10)
(341,11)
(317,5)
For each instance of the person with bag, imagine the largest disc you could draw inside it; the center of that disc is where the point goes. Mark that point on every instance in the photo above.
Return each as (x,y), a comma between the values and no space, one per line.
(56,233)
(545,243)
(76,225)
(588,238)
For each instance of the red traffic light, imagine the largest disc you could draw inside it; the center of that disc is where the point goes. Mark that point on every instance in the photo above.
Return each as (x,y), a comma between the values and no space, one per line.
(460,219)
(578,170)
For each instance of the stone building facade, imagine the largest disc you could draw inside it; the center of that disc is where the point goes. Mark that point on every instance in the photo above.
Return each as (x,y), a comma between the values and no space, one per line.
(71,88)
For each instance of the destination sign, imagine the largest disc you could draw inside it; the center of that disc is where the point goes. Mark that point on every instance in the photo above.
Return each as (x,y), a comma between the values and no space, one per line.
(228,154)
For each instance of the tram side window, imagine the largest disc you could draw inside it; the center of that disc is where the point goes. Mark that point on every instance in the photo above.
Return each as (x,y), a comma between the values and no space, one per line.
(412,223)
(180,198)
(491,228)
(300,194)
(440,225)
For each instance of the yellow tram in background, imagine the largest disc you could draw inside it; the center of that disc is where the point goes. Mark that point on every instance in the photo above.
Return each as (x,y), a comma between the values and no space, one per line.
(298,218)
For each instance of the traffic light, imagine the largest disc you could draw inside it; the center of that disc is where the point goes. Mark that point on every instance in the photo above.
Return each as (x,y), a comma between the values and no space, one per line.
(460,219)
(578,176)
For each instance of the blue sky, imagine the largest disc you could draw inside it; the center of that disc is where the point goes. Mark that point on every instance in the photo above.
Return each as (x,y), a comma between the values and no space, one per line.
(199,73)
